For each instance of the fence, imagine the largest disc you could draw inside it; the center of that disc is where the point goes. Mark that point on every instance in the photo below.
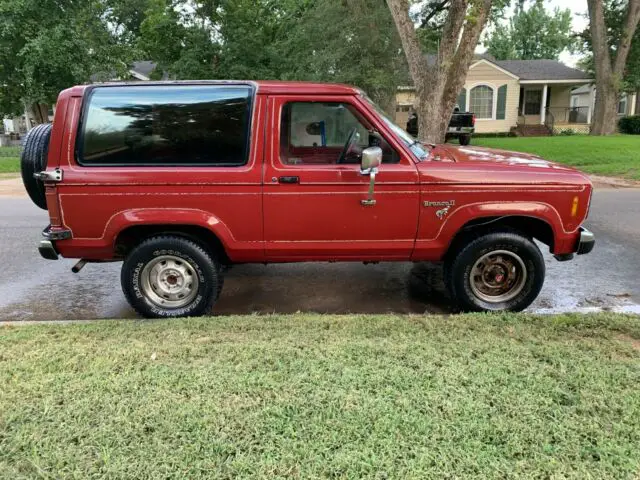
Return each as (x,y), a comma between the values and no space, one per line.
(571,116)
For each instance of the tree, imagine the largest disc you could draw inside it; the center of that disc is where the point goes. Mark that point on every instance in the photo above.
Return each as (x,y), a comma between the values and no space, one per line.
(49,45)
(352,42)
(439,82)
(532,34)
(348,41)
(610,54)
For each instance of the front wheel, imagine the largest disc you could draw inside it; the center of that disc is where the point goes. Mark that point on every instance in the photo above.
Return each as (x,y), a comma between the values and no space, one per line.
(169,276)
(501,271)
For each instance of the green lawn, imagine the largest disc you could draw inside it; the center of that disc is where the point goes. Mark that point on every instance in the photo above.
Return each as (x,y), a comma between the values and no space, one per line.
(10,159)
(613,156)
(311,396)
(9,165)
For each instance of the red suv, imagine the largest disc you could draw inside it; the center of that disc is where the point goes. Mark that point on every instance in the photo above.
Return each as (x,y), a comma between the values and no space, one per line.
(181,179)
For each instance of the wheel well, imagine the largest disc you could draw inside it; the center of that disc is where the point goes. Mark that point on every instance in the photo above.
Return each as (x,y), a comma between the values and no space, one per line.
(530,226)
(128,238)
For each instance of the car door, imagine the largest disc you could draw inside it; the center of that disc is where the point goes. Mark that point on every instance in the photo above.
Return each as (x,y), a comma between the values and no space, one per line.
(314,205)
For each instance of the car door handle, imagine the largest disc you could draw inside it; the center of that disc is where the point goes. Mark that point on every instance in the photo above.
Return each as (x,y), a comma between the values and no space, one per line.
(289,180)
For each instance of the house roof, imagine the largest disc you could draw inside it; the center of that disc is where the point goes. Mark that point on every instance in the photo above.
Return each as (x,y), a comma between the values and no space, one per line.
(140,70)
(530,70)
(585,89)
(541,70)
(143,69)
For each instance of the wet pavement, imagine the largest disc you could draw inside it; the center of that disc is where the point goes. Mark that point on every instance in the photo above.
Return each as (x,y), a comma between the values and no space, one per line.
(32,288)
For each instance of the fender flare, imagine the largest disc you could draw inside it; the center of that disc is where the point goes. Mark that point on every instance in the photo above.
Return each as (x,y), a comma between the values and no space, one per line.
(537,210)
(167,216)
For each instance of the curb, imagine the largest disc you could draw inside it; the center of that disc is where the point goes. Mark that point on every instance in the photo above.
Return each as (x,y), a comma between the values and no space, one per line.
(613,182)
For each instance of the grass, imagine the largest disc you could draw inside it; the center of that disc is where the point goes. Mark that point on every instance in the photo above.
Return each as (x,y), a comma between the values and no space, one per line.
(9,165)
(10,159)
(310,396)
(612,156)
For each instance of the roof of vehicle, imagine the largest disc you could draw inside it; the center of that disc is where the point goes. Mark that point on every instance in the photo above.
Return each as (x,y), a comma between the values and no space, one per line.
(276,87)
(264,86)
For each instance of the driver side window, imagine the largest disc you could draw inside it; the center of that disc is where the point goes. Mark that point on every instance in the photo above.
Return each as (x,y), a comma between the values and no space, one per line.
(315,133)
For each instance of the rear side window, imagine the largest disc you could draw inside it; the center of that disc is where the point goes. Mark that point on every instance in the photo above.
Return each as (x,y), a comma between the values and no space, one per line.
(166,126)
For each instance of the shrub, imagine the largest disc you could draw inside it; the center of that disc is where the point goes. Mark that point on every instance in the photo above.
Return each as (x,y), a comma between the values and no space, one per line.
(630,125)
(567,132)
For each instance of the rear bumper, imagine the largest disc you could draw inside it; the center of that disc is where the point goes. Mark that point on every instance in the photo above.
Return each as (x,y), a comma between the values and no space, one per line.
(47,247)
(460,130)
(587,241)
(47,250)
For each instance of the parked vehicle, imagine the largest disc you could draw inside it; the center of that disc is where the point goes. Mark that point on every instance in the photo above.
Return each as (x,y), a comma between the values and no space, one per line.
(461,126)
(181,179)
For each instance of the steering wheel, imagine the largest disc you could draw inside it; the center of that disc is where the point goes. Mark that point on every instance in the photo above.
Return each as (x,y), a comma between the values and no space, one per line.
(349,146)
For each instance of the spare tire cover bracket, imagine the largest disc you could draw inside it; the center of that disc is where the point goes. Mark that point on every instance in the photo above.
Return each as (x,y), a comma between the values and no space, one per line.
(49,176)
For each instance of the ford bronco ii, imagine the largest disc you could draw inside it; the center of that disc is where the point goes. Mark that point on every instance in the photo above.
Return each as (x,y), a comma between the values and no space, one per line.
(180,180)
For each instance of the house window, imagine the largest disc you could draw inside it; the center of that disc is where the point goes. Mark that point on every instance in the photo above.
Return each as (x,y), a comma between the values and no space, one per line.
(532,102)
(481,103)
(622,105)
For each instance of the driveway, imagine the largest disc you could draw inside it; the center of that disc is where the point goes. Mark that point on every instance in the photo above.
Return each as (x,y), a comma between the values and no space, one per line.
(35,289)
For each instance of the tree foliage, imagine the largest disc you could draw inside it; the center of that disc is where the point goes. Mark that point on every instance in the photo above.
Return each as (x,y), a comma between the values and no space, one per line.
(323,40)
(532,34)
(49,45)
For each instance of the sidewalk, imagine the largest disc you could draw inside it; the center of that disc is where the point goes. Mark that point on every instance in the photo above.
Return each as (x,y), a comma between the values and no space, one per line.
(11,185)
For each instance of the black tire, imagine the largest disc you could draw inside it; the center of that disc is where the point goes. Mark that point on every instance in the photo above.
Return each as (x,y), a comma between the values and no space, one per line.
(458,268)
(34,160)
(196,260)
(464,139)
(220,281)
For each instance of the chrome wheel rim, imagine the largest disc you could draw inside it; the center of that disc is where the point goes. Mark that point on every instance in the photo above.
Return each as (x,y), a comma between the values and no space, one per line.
(498,276)
(169,282)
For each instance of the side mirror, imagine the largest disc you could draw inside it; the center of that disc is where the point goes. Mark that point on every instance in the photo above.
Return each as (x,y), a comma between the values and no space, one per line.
(371,160)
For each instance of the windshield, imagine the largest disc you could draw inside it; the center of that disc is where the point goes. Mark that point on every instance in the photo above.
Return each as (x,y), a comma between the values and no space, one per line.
(418,149)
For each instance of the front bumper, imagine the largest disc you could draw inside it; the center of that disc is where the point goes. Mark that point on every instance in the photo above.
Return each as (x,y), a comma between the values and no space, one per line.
(586,242)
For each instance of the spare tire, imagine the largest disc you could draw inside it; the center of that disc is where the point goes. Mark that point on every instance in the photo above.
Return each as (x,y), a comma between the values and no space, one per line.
(34,160)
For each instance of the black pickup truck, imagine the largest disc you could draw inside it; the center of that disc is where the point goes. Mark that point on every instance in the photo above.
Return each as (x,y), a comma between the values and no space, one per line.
(461,126)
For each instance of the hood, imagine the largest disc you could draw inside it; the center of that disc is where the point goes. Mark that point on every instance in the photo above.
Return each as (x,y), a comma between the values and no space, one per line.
(480,155)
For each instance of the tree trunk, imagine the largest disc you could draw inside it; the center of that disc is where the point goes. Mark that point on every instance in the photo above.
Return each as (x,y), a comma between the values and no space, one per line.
(439,84)
(605,114)
(637,110)
(39,113)
(609,73)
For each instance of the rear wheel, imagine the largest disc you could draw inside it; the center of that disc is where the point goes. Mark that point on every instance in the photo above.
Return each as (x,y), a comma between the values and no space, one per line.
(464,139)
(501,271)
(169,276)
(34,160)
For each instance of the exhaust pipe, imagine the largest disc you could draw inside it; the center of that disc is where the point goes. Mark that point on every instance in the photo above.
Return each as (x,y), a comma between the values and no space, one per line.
(79,266)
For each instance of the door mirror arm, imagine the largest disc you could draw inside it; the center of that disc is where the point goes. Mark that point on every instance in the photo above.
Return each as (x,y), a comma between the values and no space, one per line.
(371,160)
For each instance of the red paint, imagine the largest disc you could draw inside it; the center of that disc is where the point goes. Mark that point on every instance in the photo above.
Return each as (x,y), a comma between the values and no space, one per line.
(319,218)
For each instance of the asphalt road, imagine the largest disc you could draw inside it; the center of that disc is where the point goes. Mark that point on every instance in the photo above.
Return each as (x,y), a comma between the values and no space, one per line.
(32,288)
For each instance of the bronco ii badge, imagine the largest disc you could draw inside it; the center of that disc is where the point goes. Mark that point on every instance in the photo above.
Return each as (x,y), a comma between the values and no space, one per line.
(447,204)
